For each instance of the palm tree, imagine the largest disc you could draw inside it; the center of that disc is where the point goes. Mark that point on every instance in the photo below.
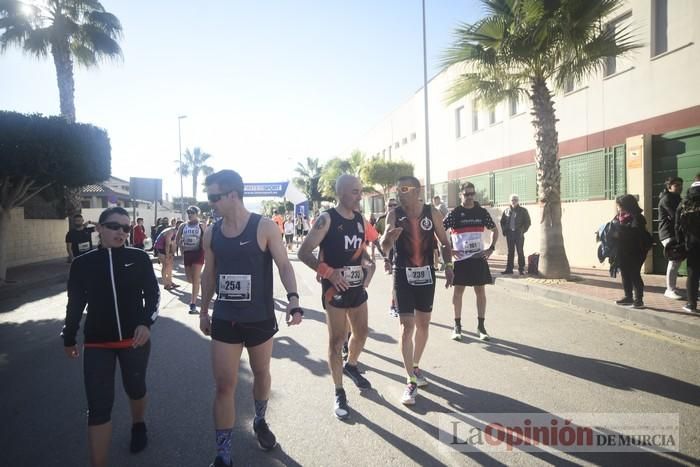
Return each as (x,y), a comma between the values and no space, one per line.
(194,163)
(308,181)
(72,30)
(521,48)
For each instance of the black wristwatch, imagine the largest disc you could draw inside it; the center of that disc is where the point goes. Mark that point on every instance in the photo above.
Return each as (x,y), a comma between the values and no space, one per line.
(292,294)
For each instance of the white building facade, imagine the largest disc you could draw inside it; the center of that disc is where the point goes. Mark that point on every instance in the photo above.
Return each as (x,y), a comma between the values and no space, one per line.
(621,131)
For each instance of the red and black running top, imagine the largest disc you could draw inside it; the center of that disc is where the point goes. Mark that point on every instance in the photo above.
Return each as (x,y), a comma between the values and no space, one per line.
(414,247)
(466,229)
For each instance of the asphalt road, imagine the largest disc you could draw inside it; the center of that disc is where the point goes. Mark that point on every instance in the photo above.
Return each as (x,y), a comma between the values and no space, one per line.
(544,358)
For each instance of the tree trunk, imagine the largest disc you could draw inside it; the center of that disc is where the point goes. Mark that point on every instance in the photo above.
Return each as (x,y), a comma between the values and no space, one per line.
(64,75)
(5,215)
(195,176)
(553,262)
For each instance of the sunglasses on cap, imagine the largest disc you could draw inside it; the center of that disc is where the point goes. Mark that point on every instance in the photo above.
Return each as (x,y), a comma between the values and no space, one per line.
(214,197)
(407,188)
(116,226)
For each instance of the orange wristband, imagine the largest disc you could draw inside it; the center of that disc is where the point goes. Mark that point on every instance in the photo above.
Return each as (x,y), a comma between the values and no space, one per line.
(324,270)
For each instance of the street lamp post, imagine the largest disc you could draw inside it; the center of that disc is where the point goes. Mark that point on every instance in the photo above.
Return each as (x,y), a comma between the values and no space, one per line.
(179,144)
(428,188)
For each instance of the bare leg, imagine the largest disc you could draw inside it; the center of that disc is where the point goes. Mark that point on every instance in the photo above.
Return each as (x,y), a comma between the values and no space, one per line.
(226,359)
(260,356)
(407,327)
(457,300)
(196,277)
(359,329)
(422,321)
(337,332)
(99,437)
(138,409)
(480,292)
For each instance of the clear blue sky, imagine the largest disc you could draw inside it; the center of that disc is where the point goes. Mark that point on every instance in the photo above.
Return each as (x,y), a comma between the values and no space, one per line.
(264,83)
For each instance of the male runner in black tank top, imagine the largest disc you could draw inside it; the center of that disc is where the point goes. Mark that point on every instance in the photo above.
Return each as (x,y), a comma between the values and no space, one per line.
(239,250)
(346,270)
(411,230)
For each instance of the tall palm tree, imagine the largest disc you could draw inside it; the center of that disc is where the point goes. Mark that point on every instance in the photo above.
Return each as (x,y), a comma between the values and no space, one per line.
(71,30)
(193,164)
(308,181)
(522,48)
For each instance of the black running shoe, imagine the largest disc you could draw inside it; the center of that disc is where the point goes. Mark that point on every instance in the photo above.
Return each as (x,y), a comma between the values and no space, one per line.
(624,301)
(354,374)
(218,462)
(139,440)
(193,309)
(341,409)
(266,439)
(638,303)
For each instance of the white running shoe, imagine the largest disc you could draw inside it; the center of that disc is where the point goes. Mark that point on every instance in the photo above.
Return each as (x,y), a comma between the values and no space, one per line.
(409,394)
(420,378)
(672,294)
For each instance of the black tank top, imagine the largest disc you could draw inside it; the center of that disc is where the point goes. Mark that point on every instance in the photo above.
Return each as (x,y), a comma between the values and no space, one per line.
(243,275)
(344,242)
(414,247)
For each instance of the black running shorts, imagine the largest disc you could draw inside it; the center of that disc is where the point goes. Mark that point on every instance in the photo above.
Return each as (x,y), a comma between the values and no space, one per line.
(472,271)
(351,298)
(413,297)
(249,334)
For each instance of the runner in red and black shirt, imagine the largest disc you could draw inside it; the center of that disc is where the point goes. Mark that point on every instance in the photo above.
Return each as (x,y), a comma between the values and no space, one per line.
(411,230)
(467,223)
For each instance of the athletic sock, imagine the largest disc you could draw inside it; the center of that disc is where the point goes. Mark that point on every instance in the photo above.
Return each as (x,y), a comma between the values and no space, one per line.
(260,409)
(223,445)
(481,323)
(458,321)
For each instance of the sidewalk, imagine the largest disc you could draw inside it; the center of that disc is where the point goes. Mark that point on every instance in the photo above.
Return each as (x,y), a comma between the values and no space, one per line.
(21,279)
(595,290)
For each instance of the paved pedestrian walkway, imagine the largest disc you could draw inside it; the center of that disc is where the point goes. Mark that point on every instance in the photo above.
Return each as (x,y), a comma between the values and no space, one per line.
(595,290)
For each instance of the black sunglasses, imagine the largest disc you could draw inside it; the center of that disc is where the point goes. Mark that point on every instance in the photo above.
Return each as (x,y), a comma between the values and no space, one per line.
(393,205)
(215,197)
(116,226)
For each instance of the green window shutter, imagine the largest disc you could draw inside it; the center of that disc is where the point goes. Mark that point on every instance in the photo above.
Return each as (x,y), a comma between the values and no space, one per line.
(583,176)
(520,180)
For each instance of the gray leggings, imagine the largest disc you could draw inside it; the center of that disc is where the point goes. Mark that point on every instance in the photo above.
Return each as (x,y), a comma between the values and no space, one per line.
(99,366)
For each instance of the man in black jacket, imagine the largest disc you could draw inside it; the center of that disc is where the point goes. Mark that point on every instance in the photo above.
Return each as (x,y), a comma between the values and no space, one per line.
(515,221)
(688,233)
(669,199)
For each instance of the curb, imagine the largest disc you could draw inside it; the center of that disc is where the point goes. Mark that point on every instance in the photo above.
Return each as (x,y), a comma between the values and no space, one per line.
(645,317)
(19,288)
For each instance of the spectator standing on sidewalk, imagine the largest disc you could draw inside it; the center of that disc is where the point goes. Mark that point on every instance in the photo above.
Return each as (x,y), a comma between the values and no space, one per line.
(515,221)
(79,238)
(139,233)
(633,242)
(669,199)
(688,233)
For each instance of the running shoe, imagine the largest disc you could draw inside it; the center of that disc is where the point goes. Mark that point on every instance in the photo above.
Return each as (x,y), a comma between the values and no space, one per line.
(483,335)
(218,462)
(690,308)
(639,304)
(420,378)
(139,439)
(393,312)
(354,374)
(341,409)
(457,333)
(670,293)
(193,309)
(409,394)
(624,301)
(266,439)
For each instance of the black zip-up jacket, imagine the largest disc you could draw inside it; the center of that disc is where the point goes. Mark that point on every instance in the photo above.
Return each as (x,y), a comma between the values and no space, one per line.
(121,292)
(522,219)
(668,204)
